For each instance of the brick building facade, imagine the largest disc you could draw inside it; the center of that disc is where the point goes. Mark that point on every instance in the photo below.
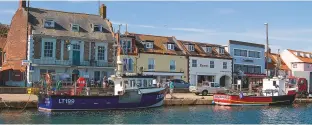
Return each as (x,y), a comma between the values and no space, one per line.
(64,44)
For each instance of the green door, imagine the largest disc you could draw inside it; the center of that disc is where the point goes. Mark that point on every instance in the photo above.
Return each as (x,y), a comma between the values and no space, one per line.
(76,57)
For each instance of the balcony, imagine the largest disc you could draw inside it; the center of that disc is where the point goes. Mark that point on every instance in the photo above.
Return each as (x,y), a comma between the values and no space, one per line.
(70,63)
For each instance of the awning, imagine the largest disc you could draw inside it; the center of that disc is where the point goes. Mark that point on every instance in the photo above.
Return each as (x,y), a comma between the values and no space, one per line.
(163,73)
(256,75)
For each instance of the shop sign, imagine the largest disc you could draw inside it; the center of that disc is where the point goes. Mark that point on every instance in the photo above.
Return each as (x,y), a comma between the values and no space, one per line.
(202,65)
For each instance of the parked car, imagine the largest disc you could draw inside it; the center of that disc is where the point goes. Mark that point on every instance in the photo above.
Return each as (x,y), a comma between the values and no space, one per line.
(180,84)
(207,88)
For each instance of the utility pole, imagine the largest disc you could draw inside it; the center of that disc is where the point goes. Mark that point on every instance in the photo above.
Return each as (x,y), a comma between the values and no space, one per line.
(267,47)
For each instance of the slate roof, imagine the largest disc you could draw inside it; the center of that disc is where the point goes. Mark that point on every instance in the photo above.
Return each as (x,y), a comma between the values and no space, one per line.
(160,44)
(246,43)
(63,20)
(201,53)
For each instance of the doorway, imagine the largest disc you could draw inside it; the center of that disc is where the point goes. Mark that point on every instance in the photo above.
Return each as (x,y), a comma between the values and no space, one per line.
(75,75)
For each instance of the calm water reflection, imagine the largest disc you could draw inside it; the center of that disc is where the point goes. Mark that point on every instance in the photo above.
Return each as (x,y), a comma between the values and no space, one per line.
(167,115)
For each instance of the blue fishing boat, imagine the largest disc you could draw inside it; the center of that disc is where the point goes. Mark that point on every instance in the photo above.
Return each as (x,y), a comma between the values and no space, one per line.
(134,91)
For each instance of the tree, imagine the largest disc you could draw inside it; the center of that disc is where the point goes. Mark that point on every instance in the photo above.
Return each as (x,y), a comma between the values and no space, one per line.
(4,29)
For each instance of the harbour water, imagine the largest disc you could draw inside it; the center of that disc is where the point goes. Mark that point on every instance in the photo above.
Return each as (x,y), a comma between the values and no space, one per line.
(294,114)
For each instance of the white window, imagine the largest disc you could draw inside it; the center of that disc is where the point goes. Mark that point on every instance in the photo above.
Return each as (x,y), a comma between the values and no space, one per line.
(101,53)
(194,63)
(49,23)
(294,65)
(254,54)
(149,45)
(224,65)
(172,65)
(97,28)
(211,64)
(221,50)
(75,27)
(151,64)
(208,49)
(48,49)
(127,64)
(170,46)
(191,47)
(239,52)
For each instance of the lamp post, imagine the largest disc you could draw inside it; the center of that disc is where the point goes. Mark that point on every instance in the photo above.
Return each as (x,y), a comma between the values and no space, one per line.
(267,47)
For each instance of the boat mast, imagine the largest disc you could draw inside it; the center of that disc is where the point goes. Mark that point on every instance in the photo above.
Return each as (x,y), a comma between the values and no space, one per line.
(267,47)
(277,68)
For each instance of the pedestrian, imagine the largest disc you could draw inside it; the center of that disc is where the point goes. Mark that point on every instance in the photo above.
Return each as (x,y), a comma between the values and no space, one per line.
(104,82)
(171,86)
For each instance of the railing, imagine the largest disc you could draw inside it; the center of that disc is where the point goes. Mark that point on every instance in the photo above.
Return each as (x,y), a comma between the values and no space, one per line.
(70,63)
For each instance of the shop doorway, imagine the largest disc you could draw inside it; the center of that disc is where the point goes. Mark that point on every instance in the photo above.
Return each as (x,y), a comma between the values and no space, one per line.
(225,81)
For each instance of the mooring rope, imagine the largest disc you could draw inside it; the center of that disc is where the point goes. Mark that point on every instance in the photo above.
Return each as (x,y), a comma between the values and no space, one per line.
(26,103)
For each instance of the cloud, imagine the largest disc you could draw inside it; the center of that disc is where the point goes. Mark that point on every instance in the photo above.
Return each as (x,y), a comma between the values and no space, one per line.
(7,11)
(146,26)
(225,11)
(189,29)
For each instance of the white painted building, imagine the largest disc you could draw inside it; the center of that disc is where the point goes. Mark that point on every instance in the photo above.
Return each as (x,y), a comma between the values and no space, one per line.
(208,62)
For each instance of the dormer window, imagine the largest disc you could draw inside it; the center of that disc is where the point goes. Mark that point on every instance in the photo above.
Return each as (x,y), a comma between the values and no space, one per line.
(170,46)
(97,28)
(221,50)
(49,23)
(149,45)
(191,48)
(75,27)
(208,49)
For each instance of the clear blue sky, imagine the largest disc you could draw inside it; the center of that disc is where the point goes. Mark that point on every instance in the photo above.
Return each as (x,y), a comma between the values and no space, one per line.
(290,23)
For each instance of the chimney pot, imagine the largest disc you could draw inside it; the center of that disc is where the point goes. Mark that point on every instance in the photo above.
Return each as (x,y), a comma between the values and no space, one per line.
(103,11)
(22,4)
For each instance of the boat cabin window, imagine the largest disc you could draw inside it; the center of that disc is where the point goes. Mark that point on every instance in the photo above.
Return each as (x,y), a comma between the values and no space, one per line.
(145,83)
(139,83)
(274,83)
(132,83)
(150,83)
(126,84)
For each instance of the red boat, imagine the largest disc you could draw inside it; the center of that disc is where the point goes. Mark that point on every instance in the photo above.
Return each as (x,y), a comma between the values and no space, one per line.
(274,92)
(225,99)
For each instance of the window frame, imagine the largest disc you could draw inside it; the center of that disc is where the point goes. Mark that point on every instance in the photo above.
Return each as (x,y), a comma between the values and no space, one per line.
(170,46)
(51,21)
(191,47)
(152,65)
(50,49)
(224,65)
(221,50)
(101,51)
(149,45)
(194,64)
(172,63)
(211,64)
(99,27)
(73,26)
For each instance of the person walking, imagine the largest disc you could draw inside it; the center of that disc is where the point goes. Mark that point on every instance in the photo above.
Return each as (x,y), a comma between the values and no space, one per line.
(171,86)
(104,82)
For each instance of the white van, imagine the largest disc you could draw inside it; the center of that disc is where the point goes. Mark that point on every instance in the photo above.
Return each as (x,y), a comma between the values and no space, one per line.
(207,88)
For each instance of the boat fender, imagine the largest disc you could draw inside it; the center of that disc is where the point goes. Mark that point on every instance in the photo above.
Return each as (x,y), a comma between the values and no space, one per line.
(241,95)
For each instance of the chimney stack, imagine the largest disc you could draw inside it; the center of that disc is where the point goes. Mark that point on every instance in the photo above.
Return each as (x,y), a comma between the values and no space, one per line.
(103,11)
(22,3)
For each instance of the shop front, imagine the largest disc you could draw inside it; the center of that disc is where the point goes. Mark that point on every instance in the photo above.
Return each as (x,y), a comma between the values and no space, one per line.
(162,77)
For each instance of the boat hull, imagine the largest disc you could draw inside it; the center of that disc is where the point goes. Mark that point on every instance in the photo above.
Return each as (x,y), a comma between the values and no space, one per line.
(236,100)
(144,98)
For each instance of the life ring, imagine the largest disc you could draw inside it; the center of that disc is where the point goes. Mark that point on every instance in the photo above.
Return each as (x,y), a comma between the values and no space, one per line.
(48,79)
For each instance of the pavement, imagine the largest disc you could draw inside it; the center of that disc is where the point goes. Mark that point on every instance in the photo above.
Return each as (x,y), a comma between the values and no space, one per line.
(18,97)
(25,97)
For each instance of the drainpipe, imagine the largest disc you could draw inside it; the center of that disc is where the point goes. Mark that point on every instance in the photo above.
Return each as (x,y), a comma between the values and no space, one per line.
(27,34)
(188,68)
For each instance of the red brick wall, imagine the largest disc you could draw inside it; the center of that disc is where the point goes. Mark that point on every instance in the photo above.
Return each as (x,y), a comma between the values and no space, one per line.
(16,45)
